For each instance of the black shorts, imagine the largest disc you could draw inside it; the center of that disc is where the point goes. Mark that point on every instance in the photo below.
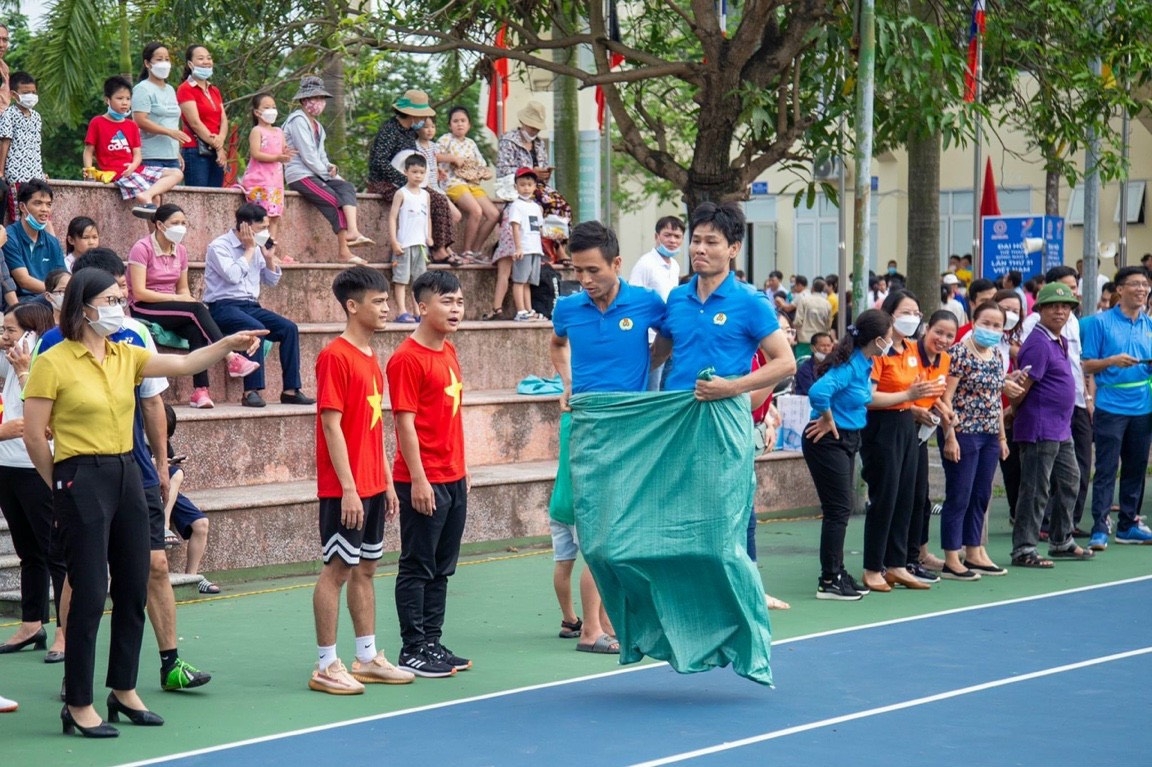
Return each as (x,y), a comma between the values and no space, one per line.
(155,517)
(352,545)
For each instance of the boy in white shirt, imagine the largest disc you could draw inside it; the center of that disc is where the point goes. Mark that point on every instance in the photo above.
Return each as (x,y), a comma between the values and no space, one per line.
(527,218)
(410,231)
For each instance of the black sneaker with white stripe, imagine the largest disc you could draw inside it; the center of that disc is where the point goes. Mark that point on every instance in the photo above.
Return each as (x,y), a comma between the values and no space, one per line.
(837,588)
(444,655)
(421,662)
(856,585)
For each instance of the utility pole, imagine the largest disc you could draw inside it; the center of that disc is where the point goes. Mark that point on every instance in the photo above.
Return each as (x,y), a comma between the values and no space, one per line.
(865,96)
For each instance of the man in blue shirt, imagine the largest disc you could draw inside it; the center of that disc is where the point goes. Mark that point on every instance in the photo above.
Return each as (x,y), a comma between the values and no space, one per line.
(31,252)
(235,267)
(1117,345)
(150,439)
(599,344)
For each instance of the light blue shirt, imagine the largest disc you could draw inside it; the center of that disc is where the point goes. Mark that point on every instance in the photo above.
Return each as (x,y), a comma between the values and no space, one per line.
(162,108)
(229,276)
(609,348)
(722,333)
(846,390)
(1120,391)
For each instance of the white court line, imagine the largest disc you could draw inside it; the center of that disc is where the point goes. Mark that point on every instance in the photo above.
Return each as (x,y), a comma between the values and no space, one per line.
(892,707)
(614,672)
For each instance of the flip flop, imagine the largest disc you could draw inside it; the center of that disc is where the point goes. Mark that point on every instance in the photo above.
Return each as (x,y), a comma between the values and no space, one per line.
(361,241)
(604,645)
(356,260)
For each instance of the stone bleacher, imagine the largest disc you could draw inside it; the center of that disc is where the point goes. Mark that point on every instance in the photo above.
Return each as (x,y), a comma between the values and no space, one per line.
(253,470)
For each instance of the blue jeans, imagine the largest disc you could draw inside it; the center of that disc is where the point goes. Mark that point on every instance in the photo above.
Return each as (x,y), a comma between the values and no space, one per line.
(234,316)
(201,171)
(968,488)
(1121,444)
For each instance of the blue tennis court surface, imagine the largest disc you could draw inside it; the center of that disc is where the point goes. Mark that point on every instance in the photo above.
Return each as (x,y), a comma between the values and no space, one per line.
(1059,679)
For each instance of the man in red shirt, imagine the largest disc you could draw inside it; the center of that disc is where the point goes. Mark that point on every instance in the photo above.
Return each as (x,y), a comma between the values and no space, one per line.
(354,485)
(425,387)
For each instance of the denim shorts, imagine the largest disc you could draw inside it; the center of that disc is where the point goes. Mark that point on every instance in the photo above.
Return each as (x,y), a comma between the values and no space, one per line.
(565,547)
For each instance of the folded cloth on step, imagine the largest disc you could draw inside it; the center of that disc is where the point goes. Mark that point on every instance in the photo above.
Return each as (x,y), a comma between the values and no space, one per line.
(662,486)
(540,386)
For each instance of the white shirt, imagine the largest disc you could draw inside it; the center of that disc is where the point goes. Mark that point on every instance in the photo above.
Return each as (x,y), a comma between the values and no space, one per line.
(530,217)
(657,273)
(412,221)
(12,451)
(1101,281)
(1071,334)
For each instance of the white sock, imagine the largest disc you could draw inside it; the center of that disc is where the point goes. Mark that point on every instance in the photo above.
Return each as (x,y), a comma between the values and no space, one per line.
(327,656)
(366,648)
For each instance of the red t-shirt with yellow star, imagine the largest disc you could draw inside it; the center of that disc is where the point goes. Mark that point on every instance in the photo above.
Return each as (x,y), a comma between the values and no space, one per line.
(351,382)
(428,383)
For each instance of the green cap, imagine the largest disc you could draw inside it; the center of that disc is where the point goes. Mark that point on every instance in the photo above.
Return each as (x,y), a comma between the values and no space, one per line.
(1056,293)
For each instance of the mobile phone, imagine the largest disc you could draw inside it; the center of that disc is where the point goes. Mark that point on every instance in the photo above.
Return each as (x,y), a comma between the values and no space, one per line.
(28,341)
(177,459)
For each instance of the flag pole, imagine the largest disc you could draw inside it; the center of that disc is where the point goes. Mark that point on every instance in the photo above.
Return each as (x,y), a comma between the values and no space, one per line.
(977,256)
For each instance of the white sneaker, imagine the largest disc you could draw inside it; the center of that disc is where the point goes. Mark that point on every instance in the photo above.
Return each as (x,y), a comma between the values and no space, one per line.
(334,680)
(523,316)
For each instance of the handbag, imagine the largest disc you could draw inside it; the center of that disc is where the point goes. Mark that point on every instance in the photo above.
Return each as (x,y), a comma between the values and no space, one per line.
(204,149)
(506,187)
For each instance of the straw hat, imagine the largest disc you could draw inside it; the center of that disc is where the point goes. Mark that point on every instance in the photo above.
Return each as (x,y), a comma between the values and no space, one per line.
(311,86)
(532,115)
(414,104)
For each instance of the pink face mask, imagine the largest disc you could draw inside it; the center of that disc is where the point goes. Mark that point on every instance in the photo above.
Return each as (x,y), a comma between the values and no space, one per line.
(314,107)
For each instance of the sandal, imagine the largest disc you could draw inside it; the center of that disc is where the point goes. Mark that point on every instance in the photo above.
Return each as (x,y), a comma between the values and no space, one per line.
(495,314)
(171,540)
(1031,559)
(207,587)
(571,630)
(1075,553)
(451,260)
(604,645)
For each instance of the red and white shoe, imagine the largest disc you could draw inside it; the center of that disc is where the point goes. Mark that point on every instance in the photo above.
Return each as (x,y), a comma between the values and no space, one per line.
(239,366)
(200,398)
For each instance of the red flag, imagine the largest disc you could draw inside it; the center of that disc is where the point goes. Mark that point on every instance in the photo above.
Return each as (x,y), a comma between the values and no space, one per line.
(614,60)
(498,88)
(989,202)
(975,32)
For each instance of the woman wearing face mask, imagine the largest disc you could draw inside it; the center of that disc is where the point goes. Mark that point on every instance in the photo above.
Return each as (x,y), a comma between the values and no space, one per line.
(24,498)
(805,376)
(889,448)
(394,141)
(929,412)
(973,442)
(839,402)
(100,511)
(157,112)
(55,283)
(158,292)
(205,121)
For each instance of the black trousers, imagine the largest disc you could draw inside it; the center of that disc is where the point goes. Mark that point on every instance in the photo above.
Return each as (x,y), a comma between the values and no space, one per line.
(921,518)
(27,505)
(429,548)
(1010,471)
(103,520)
(190,320)
(888,452)
(831,462)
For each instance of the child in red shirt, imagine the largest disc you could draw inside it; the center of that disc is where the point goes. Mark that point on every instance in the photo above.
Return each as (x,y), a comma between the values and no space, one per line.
(425,387)
(112,153)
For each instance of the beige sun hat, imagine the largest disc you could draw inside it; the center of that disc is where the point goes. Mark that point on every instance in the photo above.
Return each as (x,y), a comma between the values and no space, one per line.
(532,115)
(311,86)
(415,104)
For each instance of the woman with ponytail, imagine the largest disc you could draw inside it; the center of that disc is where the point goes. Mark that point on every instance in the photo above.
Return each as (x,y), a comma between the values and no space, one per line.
(839,400)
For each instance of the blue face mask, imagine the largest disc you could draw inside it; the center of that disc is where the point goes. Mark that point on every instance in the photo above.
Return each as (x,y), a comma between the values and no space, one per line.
(418,125)
(114,115)
(202,73)
(986,338)
(33,222)
(891,270)
(666,252)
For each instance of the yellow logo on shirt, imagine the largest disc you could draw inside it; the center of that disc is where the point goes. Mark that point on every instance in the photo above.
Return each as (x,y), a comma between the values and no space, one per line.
(720,318)
(625,324)
(375,400)
(453,391)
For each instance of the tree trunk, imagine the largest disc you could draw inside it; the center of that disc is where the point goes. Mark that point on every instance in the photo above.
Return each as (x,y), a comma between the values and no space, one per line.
(333,74)
(923,222)
(1052,193)
(125,50)
(566,137)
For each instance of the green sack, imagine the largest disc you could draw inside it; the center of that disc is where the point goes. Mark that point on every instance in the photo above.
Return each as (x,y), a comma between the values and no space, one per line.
(560,504)
(663,486)
(164,337)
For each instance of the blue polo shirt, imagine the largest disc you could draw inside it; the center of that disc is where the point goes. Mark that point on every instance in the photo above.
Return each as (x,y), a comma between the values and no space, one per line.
(1120,391)
(609,348)
(134,334)
(38,257)
(845,389)
(722,333)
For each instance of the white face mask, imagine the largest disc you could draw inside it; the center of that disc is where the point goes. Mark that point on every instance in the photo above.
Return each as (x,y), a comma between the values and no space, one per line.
(1012,318)
(907,325)
(162,69)
(819,356)
(262,237)
(110,319)
(269,115)
(175,233)
(29,100)
(884,346)
(56,300)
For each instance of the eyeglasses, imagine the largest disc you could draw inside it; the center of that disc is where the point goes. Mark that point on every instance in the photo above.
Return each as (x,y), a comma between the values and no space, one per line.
(113,301)
(1136,285)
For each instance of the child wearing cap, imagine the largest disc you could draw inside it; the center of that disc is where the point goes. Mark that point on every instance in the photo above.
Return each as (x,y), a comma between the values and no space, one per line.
(526,219)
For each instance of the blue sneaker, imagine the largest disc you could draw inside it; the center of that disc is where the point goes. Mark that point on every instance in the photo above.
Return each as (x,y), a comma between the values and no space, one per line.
(1098,541)
(1137,534)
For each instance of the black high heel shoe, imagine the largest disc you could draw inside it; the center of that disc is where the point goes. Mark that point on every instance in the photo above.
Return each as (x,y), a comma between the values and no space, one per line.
(39,640)
(139,717)
(102,730)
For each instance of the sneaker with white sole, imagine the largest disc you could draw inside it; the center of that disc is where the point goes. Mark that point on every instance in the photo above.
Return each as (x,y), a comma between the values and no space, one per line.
(442,653)
(837,589)
(239,366)
(1098,542)
(334,680)
(420,662)
(200,398)
(380,671)
(1138,534)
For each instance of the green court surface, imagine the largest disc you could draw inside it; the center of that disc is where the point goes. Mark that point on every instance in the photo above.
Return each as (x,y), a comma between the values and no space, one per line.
(258,641)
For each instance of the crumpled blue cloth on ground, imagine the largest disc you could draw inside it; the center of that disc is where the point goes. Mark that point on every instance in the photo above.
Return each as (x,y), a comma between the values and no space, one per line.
(662,486)
(540,386)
